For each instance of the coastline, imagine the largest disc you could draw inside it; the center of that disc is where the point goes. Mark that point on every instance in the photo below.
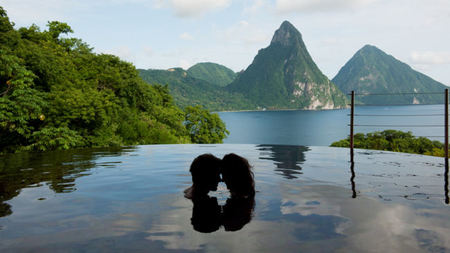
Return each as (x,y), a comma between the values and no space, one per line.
(280,110)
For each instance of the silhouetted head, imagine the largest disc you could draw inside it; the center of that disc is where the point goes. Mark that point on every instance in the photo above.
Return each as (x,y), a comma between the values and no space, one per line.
(237,175)
(205,171)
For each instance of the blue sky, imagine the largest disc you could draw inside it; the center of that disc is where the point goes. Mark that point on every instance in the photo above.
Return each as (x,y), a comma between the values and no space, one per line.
(161,34)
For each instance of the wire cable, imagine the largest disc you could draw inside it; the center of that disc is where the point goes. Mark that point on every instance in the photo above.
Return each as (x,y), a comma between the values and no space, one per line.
(397,94)
(390,104)
(395,115)
(429,136)
(398,125)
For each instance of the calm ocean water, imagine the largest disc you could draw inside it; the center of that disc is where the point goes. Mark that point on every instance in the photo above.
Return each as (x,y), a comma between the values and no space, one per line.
(321,128)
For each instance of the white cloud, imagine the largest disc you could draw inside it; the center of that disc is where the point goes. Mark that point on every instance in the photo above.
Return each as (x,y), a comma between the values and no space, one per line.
(245,32)
(148,51)
(255,6)
(185,64)
(285,6)
(430,58)
(186,36)
(123,52)
(25,12)
(192,8)
(243,23)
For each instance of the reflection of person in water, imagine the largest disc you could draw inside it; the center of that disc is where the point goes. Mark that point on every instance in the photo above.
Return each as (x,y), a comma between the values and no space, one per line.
(207,215)
(205,171)
(237,212)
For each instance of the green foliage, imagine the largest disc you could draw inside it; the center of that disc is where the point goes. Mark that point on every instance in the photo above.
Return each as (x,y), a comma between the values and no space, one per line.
(49,138)
(21,114)
(213,73)
(55,93)
(191,91)
(284,76)
(371,70)
(5,25)
(393,140)
(55,29)
(204,127)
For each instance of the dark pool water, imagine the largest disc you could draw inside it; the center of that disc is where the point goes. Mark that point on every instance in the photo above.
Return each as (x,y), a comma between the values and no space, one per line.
(308,199)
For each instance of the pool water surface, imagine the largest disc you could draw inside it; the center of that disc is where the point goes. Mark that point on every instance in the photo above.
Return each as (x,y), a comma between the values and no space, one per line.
(308,199)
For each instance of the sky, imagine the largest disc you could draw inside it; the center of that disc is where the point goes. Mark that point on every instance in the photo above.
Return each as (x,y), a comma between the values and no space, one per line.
(161,34)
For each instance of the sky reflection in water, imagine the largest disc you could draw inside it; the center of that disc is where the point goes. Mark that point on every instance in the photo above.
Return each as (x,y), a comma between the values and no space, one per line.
(131,199)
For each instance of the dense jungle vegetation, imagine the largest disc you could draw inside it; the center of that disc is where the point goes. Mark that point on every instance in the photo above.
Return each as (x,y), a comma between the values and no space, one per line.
(393,140)
(213,73)
(187,90)
(56,93)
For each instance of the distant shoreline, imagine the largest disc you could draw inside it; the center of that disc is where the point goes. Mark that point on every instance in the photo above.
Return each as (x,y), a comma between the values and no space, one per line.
(281,110)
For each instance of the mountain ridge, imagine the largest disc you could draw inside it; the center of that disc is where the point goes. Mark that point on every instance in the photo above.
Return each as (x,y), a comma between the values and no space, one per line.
(371,70)
(213,73)
(189,91)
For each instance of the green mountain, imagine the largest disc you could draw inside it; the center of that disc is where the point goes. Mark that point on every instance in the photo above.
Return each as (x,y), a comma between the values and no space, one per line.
(284,76)
(371,70)
(189,91)
(213,73)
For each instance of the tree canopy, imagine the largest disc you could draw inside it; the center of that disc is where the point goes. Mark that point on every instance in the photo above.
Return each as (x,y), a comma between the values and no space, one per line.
(393,140)
(55,93)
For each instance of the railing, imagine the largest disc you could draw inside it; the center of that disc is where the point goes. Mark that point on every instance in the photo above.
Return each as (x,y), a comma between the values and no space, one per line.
(444,125)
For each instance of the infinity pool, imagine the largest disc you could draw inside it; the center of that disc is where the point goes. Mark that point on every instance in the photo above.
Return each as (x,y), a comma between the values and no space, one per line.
(308,199)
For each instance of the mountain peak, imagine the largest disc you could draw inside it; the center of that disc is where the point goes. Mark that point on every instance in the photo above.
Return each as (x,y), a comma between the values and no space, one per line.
(370,49)
(287,25)
(371,70)
(286,35)
(284,76)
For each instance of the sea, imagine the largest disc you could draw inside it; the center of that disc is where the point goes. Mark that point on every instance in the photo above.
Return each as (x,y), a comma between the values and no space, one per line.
(323,127)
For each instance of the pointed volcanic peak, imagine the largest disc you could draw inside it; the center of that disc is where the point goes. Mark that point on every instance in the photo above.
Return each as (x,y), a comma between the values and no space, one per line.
(287,35)
(284,76)
(371,70)
(213,73)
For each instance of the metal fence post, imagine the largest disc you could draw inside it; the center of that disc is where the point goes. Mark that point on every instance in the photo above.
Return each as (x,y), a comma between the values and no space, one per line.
(352,114)
(446,128)
(446,149)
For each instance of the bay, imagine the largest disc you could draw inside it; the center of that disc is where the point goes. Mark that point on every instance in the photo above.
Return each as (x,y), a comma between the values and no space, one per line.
(321,128)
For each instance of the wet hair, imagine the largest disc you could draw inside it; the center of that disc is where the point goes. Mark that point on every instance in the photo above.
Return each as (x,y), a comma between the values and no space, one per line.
(205,170)
(238,176)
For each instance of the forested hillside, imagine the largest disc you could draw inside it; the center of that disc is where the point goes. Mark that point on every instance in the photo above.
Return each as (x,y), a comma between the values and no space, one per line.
(55,93)
(213,73)
(188,90)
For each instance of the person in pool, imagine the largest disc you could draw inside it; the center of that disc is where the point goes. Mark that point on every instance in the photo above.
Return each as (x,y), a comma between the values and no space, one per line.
(238,176)
(205,171)
(207,215)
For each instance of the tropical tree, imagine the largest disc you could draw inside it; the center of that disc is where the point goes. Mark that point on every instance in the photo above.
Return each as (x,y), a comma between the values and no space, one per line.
(204,127)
